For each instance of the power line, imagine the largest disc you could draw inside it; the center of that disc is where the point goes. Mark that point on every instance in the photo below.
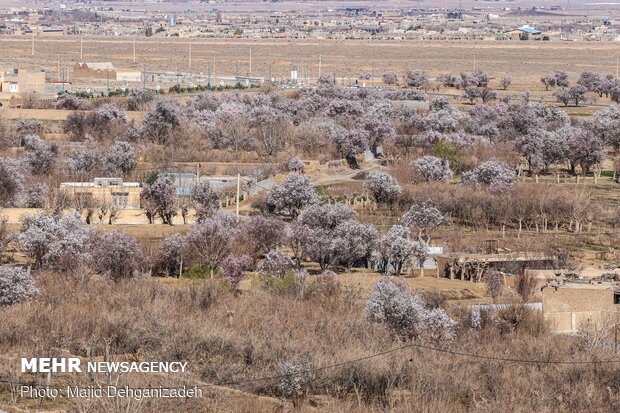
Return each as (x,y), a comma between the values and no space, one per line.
(398,349)
(425,347)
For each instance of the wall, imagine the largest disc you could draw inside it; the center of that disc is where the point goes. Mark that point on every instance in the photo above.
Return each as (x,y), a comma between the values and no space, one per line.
(105,193)
(565,308)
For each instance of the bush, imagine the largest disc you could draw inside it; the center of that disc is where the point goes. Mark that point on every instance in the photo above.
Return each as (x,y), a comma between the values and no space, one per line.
(391,303)
(170,255)
(276,264)
(16,285)
(116,255)
(234,266)
(296,376)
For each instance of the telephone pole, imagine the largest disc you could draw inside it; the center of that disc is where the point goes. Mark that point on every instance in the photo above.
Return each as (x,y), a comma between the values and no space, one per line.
(372,76)
(209,75)
(81,49)
(238,192)
(32,42)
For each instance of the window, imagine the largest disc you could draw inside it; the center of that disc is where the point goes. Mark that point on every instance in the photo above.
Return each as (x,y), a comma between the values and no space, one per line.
(617,297)
(120,199)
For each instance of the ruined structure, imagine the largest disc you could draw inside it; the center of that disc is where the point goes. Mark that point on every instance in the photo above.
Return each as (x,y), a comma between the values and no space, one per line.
(471,267)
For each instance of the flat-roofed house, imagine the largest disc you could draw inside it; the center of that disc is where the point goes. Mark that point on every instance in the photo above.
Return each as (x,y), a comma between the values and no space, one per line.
(17,81)
(568,306)
(113,191)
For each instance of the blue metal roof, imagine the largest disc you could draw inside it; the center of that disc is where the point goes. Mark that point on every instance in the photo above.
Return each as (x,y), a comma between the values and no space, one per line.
(529,30)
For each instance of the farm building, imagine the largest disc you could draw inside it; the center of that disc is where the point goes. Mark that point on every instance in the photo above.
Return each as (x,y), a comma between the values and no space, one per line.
(14,81)
(568,305)
(524,32)
(94,70)
(123,195)
(471,267)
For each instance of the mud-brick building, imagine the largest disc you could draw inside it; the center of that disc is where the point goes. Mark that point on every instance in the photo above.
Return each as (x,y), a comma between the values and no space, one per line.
(472,267)
(567,306)
(112,191)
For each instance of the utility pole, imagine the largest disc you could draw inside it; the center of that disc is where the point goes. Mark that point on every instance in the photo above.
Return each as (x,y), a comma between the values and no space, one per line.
(107,75)
(81,49)
(372,76)
(320,58)
(177,76)
(32,42)
(134,50)
(190,54)
(238,191)
(250,73)
(209,75)
(63,81)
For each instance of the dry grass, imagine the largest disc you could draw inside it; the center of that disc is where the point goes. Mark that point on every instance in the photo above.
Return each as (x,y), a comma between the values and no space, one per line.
(227,336)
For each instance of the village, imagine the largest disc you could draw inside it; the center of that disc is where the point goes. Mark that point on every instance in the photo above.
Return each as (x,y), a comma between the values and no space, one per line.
(311,208)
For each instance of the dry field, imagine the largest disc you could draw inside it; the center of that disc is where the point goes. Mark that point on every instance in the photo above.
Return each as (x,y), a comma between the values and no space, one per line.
(524,61)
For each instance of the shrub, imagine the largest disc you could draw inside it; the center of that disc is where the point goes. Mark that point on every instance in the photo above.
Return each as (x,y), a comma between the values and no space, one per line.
(40,156)
(296,375)
(210,241)
(37,196)
(16,285)
(293,194)
(54,242)
(391,303)
(120,158)
(431,168)
(295,164)
(170,254)
(116,255)
(234,266)
(382,187)
(494,282)
(276,264)
(12,176)
(326,284)
(206,200)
